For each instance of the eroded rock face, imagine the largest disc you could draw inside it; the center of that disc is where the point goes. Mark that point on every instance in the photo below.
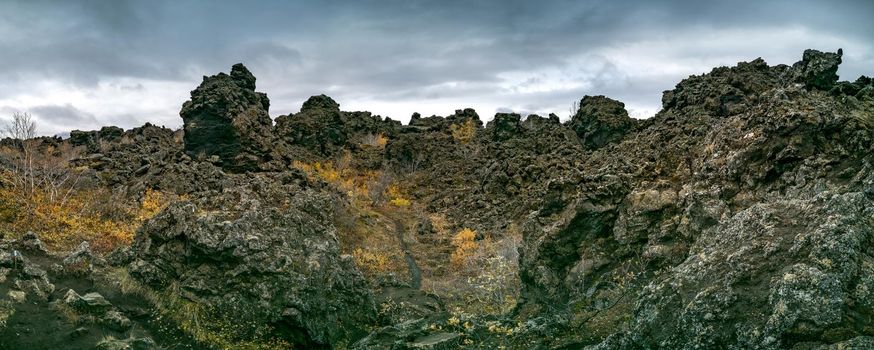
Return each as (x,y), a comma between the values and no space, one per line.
(719,223)
(771,276)
(322,129)
(818,70)
(600,120)
(228,119)
(318,126)
(504,126)
(260,254)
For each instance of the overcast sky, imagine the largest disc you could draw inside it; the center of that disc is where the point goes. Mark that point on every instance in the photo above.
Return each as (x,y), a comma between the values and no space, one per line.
(84,64)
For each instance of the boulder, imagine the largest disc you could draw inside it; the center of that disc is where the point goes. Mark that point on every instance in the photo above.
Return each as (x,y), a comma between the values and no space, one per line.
(78,332)
(34,281)
(92,303)
(320,102)
(116,321)
(127,344)
(30,242)
(322,129)
(318,126)
(79,260)
(17,296)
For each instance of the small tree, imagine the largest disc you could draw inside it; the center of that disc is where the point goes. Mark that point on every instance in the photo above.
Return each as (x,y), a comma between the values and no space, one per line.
(34,166)
(21,129)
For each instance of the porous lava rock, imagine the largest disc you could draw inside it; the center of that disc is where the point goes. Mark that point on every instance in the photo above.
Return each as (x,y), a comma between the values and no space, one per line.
(817,69)
(322,129)
(261,254)
(738,217)
(227,118)
(600,120)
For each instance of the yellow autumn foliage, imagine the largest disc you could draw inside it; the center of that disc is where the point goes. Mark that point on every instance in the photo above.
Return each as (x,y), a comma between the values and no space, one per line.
(83,215)
(396,197)
(354,184)
(465,245)
(376,140)
(400,202)
(463,132)
(372,262)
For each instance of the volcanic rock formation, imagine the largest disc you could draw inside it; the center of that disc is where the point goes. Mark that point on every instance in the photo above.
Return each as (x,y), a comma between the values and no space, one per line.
(740,216)
(263,255)
(600,120)
(226,118)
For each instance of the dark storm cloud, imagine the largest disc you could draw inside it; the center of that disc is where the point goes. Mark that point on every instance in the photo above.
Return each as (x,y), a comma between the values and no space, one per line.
(535,56)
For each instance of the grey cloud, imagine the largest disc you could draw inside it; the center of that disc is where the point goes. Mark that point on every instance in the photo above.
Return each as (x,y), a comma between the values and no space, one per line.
(62,114)
(399,50)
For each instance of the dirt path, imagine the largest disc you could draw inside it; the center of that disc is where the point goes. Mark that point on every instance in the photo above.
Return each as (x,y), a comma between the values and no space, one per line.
(415,272)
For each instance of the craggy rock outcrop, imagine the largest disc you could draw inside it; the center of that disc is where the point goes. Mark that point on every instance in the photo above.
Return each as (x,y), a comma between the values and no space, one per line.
(775,275)
(324,130)
(600,120)
(318,126)
(738,217)
(817,69)
(226,118)
(262,255)
(92,139)
(464,115)
(140,152)
(861,88)
(504,126)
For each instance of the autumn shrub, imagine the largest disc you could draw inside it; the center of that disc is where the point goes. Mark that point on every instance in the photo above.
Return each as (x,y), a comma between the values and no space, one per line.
(375,140)
(355,184)
(439,223)
(400,202)
(485,274)
(463,132)
(371,262)
(465,245)
(396,197)
(41,191)
(93,215)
